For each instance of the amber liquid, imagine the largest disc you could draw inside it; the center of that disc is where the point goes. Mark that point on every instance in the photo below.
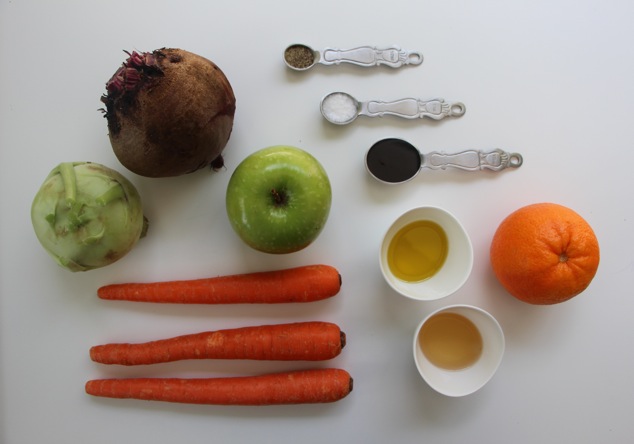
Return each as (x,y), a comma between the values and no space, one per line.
(450,341)
(417,251)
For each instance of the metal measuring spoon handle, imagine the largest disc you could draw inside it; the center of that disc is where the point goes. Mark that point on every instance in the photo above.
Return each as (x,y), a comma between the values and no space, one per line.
(393,57)
(413,108)
(472,160)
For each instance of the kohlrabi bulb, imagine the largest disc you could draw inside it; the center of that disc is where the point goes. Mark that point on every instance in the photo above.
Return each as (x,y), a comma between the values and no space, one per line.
(87,215)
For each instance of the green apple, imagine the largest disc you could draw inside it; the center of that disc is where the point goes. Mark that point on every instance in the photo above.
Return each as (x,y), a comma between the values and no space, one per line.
(278,199)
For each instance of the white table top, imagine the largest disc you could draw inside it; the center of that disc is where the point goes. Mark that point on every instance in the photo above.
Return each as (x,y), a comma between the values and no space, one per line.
(551,80)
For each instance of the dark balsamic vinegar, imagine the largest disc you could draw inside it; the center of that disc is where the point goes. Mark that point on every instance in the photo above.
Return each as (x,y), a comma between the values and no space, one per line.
(393,160)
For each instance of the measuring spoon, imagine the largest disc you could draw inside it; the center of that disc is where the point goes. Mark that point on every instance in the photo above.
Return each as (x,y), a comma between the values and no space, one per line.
(341,108)
(302,57)
(395,161)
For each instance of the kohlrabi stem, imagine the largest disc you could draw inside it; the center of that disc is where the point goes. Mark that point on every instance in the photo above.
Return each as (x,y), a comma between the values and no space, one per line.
(67,171)
(115,192)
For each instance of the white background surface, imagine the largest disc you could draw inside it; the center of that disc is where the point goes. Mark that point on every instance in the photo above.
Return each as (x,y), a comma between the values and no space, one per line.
(549,79)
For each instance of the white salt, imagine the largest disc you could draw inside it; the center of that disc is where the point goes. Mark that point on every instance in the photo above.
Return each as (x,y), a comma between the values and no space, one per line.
(339,108)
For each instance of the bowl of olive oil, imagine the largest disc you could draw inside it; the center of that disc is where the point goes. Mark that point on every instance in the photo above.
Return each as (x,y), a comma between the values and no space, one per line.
(426,254)
(458,349)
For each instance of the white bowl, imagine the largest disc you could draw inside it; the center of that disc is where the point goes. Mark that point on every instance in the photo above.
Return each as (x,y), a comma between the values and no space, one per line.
(455,270)
(468,380)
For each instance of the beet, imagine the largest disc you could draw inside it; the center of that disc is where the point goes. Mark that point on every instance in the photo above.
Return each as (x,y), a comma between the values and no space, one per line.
(170,112)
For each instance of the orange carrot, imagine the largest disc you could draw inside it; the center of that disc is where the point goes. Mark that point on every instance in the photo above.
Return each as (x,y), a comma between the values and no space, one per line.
(302,284)
(298,387)
(307,341)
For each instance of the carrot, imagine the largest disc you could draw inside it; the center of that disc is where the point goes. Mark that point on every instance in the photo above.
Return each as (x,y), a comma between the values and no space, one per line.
(307,341)
(298,387)
(302,284)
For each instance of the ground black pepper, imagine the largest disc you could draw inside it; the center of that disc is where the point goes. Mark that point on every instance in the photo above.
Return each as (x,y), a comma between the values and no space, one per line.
(299,56)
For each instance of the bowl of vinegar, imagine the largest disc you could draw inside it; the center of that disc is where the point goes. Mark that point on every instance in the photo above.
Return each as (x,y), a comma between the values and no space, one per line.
(458,349)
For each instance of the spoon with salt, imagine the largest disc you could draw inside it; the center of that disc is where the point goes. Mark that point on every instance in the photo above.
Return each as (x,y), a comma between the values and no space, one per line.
(341,108)
(302,57)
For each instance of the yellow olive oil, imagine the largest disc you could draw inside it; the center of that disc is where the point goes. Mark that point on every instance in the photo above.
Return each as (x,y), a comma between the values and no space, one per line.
(417,251)
(450,341)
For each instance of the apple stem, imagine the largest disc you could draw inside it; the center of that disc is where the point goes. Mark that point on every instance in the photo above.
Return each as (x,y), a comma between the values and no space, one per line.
(279,198)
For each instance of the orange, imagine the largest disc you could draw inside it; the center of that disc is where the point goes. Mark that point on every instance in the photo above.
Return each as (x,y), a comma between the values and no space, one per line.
(544,253)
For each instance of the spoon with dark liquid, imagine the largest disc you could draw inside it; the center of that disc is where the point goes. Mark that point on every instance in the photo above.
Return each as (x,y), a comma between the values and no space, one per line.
(396,161)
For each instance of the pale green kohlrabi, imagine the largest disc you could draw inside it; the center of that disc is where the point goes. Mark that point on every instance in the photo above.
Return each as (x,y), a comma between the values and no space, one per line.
(87,215)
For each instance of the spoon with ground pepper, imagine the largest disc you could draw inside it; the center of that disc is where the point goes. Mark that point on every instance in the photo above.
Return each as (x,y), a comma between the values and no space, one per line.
(301,57)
